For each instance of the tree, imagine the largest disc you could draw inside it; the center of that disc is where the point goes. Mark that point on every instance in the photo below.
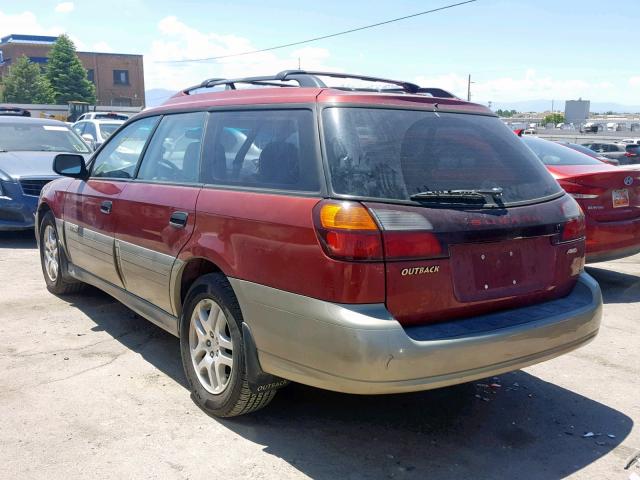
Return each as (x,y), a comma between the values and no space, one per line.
(25,84)
(554,118)
(67,76)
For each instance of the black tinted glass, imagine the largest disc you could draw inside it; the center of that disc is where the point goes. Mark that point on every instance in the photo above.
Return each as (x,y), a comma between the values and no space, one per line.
(262,148)
(119,157)
(174,151)
(393,154)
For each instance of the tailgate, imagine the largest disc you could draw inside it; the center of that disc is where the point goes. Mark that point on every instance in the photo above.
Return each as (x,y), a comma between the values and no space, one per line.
(486,259)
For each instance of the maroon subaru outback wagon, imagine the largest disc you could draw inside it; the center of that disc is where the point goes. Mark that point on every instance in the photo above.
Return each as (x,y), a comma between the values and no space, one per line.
(369,241)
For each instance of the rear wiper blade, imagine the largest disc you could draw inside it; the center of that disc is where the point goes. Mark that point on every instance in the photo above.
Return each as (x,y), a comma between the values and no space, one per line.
(464,194)
(489,196)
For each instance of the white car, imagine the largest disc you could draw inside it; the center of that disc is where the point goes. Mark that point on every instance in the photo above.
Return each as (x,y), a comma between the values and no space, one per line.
(95,132)
(630,140)
(103,116)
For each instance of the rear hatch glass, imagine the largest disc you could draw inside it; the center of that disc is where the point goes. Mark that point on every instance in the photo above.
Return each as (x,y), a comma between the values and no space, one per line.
(392,154)
(460,258)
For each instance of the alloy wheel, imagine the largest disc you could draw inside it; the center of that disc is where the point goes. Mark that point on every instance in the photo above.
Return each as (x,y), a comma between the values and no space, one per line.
(51,255)
(211,346)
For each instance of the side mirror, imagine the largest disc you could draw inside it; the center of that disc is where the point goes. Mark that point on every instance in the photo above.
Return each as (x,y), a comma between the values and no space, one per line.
(70,165)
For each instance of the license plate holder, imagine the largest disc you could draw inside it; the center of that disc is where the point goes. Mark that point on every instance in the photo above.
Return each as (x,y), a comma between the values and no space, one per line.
(502,269)
(620,198)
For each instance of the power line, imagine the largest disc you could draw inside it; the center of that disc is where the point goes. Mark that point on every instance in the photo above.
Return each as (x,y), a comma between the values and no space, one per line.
(446,7)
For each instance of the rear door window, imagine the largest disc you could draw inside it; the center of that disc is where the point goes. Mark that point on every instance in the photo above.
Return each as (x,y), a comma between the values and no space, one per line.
(262,148)
(392,154)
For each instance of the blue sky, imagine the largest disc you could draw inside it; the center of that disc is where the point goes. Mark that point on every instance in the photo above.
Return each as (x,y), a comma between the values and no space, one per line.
(514,50)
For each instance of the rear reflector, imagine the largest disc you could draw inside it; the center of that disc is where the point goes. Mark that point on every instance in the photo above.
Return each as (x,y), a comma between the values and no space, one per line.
(411,245)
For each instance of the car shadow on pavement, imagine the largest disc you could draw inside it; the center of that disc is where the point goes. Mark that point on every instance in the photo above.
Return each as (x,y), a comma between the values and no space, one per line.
(155,345)
(522,427)
(526,428)
(617,287)
(22,239)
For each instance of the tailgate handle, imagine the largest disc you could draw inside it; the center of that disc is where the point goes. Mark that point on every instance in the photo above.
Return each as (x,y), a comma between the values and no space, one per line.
(178,219)
(105,207)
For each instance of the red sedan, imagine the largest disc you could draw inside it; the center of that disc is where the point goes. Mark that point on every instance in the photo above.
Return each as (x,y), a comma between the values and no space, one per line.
(609,196)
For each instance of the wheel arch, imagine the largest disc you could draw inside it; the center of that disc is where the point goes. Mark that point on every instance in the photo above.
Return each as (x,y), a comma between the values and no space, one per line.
(186,272)
(42,209)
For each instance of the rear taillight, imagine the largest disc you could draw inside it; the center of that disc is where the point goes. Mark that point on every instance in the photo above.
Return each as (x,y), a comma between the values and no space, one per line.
(580,191)
(629,154)
(574,228)
(347,231)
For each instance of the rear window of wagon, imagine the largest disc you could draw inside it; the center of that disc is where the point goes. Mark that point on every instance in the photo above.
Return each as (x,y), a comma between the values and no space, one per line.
(392,154)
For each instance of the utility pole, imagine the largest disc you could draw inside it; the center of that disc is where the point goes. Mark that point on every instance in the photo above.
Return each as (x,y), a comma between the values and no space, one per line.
(469,89)
(299,64)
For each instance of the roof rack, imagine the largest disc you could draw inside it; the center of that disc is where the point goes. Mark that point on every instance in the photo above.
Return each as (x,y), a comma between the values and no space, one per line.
(302,77)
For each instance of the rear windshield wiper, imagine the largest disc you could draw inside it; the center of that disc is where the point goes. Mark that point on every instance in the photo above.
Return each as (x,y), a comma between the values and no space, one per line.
(489,196)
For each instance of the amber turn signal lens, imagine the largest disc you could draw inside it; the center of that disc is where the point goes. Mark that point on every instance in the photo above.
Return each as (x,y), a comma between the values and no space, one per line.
(346,216)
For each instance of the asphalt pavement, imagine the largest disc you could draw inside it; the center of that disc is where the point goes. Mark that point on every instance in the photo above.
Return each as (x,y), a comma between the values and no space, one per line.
(88,389)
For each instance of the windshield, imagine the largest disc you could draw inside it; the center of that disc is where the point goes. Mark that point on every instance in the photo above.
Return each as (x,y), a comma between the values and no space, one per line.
(553,154)
(393,154)
(25,136)
(106,129)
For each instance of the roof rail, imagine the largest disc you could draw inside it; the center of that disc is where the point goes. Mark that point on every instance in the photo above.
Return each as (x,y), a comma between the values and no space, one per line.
(302,77)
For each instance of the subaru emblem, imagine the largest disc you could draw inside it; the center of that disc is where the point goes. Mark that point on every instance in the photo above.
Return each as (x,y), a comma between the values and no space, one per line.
(628,180)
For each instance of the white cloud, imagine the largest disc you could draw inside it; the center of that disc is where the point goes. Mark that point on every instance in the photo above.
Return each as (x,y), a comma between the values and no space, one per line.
(634,81)
(180,41)
(25,22)
(65,7)
(529,86)
(103,47)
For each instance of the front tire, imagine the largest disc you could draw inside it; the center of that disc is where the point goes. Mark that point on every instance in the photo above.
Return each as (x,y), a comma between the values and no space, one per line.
(53,260)
(212,350)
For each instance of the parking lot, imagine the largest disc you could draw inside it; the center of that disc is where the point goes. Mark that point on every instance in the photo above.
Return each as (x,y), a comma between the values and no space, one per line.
(90,390)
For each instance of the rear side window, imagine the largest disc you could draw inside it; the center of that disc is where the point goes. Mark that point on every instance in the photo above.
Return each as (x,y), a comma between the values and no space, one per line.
(553,154)
(173,154)
(262,148)
(392,154)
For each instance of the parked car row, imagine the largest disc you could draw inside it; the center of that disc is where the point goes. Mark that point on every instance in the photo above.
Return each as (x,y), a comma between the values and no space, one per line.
(623,153)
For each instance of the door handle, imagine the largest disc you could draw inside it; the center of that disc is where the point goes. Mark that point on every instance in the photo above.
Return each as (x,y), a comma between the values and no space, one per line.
(179,219)
(105,207)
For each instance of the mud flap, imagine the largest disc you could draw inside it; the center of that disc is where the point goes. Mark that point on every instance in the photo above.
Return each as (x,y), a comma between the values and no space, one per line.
(258,380)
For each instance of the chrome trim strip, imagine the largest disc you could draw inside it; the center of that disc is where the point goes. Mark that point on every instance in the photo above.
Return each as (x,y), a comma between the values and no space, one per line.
(147,273)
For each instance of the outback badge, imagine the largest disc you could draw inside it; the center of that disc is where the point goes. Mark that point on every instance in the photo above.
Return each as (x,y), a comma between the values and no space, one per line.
(420,270)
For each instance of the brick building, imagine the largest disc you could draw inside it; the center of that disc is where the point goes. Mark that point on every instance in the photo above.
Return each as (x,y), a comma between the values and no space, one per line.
(118,77)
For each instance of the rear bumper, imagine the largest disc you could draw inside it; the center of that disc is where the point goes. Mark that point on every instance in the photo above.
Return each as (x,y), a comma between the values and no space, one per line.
(612,240)
(362,349)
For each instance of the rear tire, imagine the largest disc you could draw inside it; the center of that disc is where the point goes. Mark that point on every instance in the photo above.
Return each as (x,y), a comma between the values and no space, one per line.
(212,350)
(53,259)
